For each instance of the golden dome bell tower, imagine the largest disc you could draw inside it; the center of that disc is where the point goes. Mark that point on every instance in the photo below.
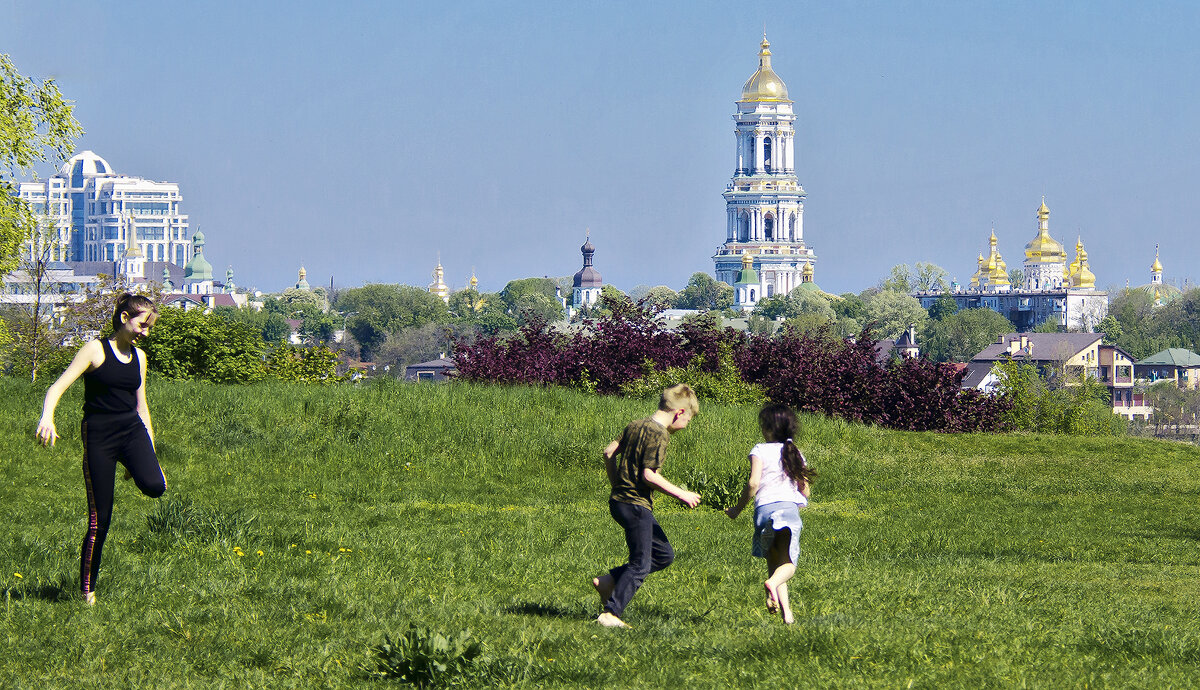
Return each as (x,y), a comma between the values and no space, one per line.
(764,202)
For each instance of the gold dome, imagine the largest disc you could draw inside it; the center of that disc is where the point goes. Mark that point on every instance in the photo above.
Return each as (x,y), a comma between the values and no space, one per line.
(1043,248)
(1081,273)
(1157,266)
(764,85)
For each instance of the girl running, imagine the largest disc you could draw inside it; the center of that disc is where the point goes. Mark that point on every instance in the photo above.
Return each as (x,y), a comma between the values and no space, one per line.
(779,481)
(116,423)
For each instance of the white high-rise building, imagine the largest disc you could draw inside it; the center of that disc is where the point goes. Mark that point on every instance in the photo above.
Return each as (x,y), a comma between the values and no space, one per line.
(764,201)
(96,214)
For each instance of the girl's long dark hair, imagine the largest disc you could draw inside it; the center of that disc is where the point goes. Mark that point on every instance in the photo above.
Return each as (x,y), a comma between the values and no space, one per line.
(780,425)
(131,304)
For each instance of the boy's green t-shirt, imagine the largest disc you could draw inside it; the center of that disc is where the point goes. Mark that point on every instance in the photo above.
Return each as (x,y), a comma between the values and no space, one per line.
(643,445)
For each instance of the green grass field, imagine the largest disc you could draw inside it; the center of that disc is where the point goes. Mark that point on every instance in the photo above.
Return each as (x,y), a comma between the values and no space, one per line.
(303,524)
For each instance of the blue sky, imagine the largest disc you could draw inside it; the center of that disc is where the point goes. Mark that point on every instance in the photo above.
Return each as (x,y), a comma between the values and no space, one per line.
(363,139)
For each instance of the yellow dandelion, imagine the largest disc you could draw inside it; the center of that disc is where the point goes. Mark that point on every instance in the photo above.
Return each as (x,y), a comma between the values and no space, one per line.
(259,552)
(307,551)
(19,576)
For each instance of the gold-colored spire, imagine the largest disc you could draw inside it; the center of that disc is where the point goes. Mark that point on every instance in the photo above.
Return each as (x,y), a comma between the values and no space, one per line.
(1043,248)
(1157,266)
(764,84)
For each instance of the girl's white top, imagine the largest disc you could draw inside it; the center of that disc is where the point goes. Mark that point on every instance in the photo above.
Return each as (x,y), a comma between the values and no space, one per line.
(774,484)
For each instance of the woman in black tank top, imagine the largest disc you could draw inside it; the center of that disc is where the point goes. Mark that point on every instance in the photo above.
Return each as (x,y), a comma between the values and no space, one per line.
(116,424)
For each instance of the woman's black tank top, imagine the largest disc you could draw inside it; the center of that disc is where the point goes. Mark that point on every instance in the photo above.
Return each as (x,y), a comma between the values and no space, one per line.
(111,388)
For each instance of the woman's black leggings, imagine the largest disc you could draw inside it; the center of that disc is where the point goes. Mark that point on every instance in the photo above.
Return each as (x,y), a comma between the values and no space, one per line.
(109,439)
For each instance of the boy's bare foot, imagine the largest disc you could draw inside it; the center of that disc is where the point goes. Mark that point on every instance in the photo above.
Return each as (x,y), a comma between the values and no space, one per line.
(772,597)
(610,620)
(604,586)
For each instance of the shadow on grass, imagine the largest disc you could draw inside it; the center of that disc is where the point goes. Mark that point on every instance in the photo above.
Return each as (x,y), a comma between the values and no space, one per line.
(530,608)
(56,591)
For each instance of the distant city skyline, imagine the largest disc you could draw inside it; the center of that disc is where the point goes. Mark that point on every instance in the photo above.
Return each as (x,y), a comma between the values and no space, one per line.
(364,139)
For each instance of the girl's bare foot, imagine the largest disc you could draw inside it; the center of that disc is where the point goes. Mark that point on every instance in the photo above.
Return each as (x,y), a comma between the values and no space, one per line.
(604,586)
(785,606)
(772,596)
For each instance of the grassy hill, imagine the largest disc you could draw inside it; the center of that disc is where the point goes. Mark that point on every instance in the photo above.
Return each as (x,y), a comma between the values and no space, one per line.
(303,524)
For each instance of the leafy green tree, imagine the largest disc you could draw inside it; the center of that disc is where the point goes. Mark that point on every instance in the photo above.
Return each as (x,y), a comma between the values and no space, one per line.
(487,313)
(271,325)
(1016,276)
(795,304)
(961,336)
(850,306)
(893,311)
(533,298)
(924,276)
(900,279)
(523,287)
(1047,326)
(660,296)
(36,125)
(705,292)
(195,345)
(414,345)
(1111,328)
(943,307)
(380,310)
(1135,313)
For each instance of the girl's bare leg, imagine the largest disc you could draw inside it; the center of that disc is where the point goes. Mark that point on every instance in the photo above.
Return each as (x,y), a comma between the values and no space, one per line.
(779,562)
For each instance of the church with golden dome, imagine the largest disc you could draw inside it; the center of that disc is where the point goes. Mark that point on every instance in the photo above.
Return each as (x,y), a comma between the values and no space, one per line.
(1050,288)
(764,202)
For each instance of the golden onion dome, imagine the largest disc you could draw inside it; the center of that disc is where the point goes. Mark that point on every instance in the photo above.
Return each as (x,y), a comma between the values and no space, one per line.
(1083,275)
(1045,249)
(1157,266)
(764,85)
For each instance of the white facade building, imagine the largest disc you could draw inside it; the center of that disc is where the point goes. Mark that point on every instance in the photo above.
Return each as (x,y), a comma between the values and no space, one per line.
(764,201)
(95,214)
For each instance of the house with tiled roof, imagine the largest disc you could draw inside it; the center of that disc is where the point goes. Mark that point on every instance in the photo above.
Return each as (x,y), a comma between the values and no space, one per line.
(1069,355)
(1173,364)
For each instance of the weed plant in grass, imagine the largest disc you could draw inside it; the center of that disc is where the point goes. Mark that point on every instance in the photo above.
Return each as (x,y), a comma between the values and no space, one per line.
(330,536)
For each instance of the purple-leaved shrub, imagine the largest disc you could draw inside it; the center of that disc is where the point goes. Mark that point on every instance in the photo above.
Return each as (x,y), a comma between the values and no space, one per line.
(812,372)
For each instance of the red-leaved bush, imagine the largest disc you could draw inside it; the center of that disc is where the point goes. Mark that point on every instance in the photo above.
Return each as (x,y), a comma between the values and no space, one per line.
(810,372)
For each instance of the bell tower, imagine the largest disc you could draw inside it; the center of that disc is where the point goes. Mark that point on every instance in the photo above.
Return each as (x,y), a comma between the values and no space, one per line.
(764,202)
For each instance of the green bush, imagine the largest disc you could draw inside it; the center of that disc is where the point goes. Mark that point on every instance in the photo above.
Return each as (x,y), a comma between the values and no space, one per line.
(194,345)
(1081,408)
(725,385)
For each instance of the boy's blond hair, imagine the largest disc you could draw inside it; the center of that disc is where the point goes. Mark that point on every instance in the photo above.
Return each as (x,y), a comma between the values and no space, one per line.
(679,397)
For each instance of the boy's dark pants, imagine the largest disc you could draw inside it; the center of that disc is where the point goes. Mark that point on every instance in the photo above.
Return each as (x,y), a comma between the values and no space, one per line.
(649,552)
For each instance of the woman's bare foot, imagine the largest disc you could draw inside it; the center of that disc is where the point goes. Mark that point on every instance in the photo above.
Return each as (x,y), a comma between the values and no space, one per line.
(604,586)
(772,596)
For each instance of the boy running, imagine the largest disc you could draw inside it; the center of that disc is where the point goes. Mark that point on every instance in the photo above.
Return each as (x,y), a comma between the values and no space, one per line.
(634,478)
